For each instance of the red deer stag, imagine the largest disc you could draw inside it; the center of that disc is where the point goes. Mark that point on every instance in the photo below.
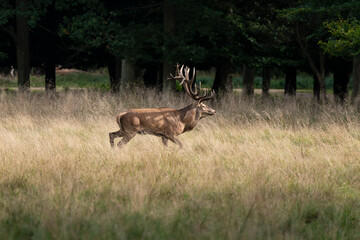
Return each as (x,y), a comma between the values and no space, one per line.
(166,123)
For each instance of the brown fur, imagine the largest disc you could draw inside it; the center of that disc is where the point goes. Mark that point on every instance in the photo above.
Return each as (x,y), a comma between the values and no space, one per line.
(166,123)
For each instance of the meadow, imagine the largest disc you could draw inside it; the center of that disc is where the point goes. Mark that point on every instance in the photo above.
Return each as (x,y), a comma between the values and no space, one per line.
(282,169)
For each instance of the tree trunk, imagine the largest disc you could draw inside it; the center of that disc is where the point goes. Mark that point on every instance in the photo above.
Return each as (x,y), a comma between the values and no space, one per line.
(118,72)
(169,84)
(266,82)
(169,31)
(50,74)
(115,69)
(130,74)
(316,88)
(248,82)
(319,89)
(128,70)
(356,80)
(323,97)
(290,81)
(223,81)
(152,78)
(22,48)
(341,80)
(50,77)
(320,74)
(112,74)
(318,70)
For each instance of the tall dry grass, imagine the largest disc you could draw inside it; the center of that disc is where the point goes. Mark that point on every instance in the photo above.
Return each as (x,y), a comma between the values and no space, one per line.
(264,170)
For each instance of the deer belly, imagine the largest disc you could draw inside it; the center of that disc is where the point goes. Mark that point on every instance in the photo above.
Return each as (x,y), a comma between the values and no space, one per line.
(155,133)
(160,126)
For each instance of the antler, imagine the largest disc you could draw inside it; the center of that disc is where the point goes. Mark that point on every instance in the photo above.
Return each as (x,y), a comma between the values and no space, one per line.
(188,83)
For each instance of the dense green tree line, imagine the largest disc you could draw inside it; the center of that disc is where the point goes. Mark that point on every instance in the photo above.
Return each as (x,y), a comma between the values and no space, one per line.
(142,40)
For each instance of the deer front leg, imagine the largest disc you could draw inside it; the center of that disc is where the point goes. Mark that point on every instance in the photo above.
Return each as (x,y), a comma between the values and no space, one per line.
(175,140)
(127,137)
(164,141)
(114,135)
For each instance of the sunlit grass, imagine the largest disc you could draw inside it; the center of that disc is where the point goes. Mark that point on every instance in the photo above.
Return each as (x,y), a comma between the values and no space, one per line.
(274,170)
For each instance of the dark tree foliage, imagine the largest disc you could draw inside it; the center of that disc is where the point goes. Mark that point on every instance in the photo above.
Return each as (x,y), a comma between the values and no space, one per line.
(308,18)
(142,40)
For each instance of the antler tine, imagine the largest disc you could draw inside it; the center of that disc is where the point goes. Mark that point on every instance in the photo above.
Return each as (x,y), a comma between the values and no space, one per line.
(205,97)
(188,82)
(196,93)
(177,75)
(187,71)
(183,74)
(193,79)
(193,76)
(177,69)
(205,91)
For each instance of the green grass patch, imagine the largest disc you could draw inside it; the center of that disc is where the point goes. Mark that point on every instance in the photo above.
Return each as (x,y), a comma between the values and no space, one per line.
(100,81)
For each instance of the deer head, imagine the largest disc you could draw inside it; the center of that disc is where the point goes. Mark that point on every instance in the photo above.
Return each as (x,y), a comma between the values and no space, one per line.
(193,90)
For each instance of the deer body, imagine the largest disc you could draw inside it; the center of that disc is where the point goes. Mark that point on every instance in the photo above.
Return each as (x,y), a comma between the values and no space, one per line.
(166,123)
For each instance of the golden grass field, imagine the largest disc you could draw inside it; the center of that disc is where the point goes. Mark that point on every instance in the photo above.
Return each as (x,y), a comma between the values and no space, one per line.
(275,170)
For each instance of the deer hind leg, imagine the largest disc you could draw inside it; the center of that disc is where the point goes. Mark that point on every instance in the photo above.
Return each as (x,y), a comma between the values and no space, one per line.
(114,135)
(126,138)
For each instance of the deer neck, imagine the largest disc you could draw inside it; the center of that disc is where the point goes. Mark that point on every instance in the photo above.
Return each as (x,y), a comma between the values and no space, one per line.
(190,116)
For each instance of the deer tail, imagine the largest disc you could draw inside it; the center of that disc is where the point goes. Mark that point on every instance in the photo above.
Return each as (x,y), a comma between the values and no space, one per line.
(118,118)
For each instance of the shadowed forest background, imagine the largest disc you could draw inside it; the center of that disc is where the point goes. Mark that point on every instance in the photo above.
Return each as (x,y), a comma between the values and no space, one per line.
(278,160)
(236,44)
